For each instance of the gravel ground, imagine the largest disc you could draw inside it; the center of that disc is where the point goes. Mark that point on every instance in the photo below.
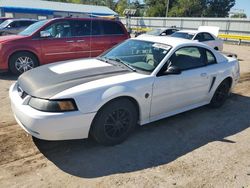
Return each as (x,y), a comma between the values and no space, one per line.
(199,148)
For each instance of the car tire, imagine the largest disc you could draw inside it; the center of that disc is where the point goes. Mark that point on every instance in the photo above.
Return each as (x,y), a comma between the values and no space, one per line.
(114,122)
(21,62)
(220,95)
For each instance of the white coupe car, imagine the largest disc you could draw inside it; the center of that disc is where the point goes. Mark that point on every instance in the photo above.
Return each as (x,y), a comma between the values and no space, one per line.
(202,35)
(137,82)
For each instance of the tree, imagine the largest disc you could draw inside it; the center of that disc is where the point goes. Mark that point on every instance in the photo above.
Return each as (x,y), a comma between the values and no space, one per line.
(120,6)
(218,8)
(157,8)
(186,8)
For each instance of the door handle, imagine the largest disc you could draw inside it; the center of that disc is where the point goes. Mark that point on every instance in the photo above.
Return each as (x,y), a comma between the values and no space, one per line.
(203,74)
(69,41)
(80,40)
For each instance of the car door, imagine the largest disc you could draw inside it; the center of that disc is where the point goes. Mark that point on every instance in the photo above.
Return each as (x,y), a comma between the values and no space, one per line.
(172,93)
(209,40)
(59,44)
(81,30)
(100,42)
(105,35)
(114,31)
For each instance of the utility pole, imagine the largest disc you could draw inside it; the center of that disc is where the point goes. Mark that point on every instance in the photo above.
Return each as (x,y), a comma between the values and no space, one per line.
(129,15)
(167,7)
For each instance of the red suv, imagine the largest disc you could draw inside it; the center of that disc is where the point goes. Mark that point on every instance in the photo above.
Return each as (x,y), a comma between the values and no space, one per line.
(58,39)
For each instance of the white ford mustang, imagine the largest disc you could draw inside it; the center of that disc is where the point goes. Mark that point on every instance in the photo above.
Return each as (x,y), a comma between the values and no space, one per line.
(137,82)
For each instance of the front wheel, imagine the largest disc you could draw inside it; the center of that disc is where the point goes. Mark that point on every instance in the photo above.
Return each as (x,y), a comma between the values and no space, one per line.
(114,122)
(22,62)
(220,95)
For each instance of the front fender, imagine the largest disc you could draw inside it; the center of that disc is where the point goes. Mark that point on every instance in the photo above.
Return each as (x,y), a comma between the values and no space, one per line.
(117,91)
(90,97)
(93,101)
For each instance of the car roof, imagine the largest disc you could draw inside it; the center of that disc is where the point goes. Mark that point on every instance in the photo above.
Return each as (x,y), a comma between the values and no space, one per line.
(171,41)
(86,18)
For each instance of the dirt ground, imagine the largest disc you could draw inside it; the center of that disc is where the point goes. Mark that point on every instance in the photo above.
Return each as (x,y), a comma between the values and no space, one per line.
(199,148)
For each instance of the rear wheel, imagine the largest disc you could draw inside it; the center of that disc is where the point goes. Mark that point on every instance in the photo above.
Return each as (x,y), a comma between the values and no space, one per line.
(22,62)
(220,94)
(114,122)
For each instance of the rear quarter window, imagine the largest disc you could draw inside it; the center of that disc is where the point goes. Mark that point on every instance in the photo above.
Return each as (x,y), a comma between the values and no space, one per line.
(112,28)
(210,58)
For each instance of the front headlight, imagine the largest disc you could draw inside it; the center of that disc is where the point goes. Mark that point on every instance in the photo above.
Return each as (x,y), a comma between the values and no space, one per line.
(62,105)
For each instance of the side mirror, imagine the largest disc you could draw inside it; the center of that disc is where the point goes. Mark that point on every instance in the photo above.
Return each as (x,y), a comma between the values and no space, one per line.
(45,34)
(173,70)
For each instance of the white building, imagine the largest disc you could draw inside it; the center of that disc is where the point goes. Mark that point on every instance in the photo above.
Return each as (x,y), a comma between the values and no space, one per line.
(41,9)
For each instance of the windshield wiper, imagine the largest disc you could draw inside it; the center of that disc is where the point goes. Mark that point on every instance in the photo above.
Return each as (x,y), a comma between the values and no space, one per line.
(107,59)
(122,62)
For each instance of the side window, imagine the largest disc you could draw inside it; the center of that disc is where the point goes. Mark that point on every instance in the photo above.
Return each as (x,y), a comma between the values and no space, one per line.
(187,58)
(112,28)
(170,31)
(207,37)
(210,58)
(14,24)
(81,28)
(25,23)
(96,28)
(59,30)
(199,37)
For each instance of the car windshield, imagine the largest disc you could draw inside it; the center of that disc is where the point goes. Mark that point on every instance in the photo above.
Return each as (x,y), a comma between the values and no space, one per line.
(183,35)
(138,54)
(154,32)
(33,28)
(5,23)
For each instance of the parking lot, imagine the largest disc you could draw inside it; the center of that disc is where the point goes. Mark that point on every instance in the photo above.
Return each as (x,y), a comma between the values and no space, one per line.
(199,148)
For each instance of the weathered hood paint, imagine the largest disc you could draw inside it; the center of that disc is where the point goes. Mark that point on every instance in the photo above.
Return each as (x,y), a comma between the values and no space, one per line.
(48,80)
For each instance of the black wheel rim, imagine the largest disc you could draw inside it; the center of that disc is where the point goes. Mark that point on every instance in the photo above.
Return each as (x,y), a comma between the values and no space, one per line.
(117,123)
(221,93)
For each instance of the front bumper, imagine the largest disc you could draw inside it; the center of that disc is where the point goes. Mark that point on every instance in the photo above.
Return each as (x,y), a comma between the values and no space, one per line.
(47,125)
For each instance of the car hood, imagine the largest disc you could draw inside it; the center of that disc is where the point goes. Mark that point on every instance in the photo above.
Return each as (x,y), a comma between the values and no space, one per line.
(48,80)
(8,38)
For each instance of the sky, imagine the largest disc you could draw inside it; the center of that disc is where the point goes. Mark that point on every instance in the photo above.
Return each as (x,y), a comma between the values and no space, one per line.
(243,4)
